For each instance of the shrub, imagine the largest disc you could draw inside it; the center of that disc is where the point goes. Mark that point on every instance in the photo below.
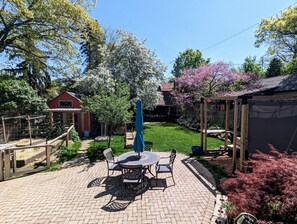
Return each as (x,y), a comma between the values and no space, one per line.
(51,134)
(269,191)
(74,135)
(95,152)
(66,154)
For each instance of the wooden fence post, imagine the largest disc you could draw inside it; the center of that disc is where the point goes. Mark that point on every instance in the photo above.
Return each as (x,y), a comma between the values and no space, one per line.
(48,156)
(6,164)
(67,137)
(29,127)
(1,166)
(14,161)
(4,130)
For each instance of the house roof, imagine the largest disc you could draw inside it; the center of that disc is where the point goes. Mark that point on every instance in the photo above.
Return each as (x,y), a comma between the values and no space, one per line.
(286,83)
(289,84)
(166,99)
(166,87)
(75,95)
(65,109)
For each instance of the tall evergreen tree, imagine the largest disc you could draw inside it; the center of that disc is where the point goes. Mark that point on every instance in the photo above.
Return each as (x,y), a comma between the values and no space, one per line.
(275,68)
(90,48)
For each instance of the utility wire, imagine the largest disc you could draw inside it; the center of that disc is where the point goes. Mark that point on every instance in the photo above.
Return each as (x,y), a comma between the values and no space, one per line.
(242,31)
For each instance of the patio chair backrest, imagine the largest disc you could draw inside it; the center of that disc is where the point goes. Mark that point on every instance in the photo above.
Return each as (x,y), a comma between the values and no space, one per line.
(172,156)
(132,172)
(148,146)
(108,154)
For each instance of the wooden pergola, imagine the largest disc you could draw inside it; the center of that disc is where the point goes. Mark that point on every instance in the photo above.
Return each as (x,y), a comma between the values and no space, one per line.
(240,104)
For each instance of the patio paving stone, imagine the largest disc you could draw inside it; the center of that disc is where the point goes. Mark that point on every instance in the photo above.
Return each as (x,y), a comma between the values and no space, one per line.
(82,194)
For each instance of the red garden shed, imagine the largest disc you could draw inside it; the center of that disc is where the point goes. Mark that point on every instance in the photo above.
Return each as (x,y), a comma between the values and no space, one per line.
(68,109)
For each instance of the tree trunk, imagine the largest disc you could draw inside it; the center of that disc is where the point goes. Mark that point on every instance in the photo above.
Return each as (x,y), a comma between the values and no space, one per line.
(109,136)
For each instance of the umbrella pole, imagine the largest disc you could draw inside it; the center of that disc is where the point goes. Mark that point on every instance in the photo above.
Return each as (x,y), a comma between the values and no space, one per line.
(138,154)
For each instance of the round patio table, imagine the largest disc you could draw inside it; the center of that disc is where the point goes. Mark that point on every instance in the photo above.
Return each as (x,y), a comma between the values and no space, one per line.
(146,158)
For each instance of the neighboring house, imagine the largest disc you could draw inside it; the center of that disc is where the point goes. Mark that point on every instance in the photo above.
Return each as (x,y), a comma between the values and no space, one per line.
(68,109)
(165,110)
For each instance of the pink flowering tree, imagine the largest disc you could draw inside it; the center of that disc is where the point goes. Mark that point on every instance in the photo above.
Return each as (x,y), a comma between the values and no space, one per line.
(210,80)
(207,80)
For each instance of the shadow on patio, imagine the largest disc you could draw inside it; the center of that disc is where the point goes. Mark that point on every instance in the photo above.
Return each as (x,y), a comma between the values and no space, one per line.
(122,197)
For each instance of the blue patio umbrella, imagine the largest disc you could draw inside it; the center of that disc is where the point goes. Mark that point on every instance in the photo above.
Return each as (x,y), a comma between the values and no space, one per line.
(139,141)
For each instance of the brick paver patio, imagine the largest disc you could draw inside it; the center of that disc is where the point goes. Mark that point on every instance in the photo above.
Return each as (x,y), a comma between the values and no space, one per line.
(83,195)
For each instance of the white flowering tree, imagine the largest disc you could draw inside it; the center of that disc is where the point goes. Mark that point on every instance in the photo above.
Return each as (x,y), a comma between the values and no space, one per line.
(126,59)
(129,59)
(149,94)
(95,81)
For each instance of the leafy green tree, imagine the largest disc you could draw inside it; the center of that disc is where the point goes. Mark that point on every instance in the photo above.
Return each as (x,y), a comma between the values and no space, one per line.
(111,107)
(250,65)
(280,34)
(188,59)
(18,97)
(291,67)
(40,38)
(275,68)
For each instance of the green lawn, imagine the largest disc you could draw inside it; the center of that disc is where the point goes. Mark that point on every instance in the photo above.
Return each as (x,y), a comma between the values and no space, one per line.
(165,136)
(96,148)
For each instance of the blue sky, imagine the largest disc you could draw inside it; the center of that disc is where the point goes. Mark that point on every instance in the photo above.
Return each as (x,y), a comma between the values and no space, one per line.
(171,26)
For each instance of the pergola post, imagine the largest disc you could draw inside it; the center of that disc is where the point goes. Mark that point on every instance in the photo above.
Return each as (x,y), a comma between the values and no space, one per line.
(243,133)
(201,123)
(227,123)
(235,135)
(205,126)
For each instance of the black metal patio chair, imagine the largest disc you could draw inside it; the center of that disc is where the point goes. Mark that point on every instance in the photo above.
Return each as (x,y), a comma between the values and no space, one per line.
(110,161)
(166,167)
(132,175)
